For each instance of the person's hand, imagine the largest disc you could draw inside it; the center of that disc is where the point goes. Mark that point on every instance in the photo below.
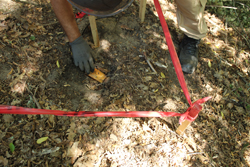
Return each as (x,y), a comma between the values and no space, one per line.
(82,55)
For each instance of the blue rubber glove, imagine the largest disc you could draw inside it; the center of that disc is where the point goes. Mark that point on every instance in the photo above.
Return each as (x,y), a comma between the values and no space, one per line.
(82,55)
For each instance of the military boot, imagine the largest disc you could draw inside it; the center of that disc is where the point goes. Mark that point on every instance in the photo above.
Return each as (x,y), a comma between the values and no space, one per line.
(188,54)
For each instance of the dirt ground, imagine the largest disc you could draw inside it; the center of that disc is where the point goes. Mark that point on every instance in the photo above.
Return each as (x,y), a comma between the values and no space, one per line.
(36,70)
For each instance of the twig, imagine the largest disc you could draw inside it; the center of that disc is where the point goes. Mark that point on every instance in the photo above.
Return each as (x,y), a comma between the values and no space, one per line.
(150,65)
(248,44)
(243,4)
(216,6)
(209,20)
(139,75)
(98,163)
(226,30)
(34,98)
(25,2)
(246,53)
(195,153)
(2,43)
(35,91)
(55,22)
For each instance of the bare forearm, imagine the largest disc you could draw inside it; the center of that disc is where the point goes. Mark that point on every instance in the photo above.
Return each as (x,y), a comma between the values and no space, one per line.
(65,15)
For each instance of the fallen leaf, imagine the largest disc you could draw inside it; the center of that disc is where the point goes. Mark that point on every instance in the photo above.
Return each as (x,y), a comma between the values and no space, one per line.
(70,132)
(100,120)
(8,118)
(57,63)
(25,36)
(3,27)
(48,151)
(217,98)
(3,160)
(51,119)
(113,137)
(209,63)
(3,17)
(230,105)
(222,115)
(153,85)
(32,27)
(162,75)
(226,112)
(34,44)
(219,75)
(16,34)
(147,78)
(16,102)
(240,110)
(71,135)
(42,139)
(143,87)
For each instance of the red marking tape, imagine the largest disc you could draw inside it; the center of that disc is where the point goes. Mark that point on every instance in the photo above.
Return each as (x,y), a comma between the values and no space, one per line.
(191,113)
(80,15)
(194,109)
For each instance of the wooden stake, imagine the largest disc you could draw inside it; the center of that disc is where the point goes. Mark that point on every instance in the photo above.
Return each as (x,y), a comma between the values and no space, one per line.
(94,30)
(142,10)
(183,126)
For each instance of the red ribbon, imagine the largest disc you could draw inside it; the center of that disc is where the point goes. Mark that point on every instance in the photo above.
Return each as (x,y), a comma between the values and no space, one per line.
(190,115)
(194,109)
(80,15)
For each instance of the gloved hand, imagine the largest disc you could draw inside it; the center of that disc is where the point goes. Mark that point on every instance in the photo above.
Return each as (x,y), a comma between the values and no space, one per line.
(82,55)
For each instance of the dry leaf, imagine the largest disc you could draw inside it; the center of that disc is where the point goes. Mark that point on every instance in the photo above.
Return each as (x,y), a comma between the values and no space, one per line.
(147,78)
(3,160)
(74,151)
(113,137)
(230,105)
(3,17)
(51,119)
(153,85)
(70,132)
(218,75)
(142,86)
(217,98)
(8,118)
(240,110)
(3,27)
(25,36)
(48,151)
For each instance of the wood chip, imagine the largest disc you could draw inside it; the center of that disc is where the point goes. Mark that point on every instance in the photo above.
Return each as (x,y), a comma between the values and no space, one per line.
(98,75)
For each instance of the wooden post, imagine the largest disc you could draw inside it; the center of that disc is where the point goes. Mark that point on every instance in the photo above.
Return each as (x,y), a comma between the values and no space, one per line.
(94,30)
(142,10)
(183,126)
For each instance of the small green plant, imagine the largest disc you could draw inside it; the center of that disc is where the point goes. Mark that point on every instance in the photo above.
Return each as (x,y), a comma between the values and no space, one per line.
(240,89)
(32,37)
(236,13)
(31,103)
(248,106)
(12,147)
